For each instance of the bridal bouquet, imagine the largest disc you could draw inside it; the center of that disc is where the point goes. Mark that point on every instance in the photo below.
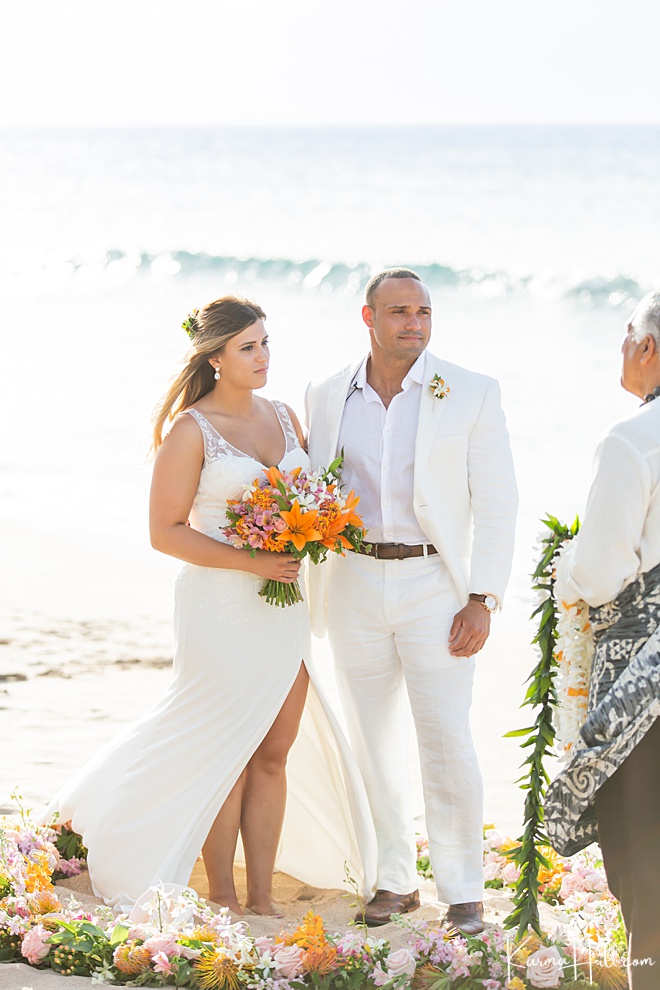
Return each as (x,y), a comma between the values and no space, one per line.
(303,513)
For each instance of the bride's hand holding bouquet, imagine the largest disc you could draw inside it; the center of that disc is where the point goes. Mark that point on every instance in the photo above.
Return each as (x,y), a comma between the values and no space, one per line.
(300,514)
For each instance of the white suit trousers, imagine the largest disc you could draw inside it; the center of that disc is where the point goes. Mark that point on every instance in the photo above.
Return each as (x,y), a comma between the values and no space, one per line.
(388,623)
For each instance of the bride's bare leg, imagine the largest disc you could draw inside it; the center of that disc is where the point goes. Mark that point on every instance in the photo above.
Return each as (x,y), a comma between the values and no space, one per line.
(264,798)
(220,847)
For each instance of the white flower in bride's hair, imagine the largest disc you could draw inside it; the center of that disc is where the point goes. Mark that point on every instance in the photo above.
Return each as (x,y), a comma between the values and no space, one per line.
(439,388)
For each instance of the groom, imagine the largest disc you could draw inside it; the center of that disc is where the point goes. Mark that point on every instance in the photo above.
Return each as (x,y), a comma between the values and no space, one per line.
(426,447)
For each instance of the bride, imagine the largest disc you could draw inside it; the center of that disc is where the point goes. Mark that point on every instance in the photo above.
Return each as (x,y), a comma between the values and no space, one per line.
(207,769)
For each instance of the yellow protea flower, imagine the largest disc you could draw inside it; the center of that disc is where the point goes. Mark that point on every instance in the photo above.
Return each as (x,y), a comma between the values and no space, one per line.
(607,977)
(426,977)
(525,948)
(204,933)
(131,958)
(217,971)
(44,902)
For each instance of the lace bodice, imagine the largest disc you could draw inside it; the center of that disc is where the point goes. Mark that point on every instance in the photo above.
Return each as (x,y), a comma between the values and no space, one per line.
(226,469)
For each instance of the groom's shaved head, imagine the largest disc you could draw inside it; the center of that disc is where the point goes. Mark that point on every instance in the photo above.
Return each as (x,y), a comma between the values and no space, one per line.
(375,280)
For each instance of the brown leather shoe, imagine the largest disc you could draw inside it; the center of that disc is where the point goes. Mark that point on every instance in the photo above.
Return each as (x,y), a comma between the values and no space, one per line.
(468,917)
(386,903)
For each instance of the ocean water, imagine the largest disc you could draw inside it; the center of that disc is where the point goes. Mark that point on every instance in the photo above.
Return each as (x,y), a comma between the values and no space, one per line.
(535,242)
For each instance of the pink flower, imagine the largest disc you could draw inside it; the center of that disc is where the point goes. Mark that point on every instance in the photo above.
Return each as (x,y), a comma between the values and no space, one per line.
(263,943)
(577,951)
(571,883)
(493,864)
(34,946)
(162,963)
(399,962)
(162,944)
(288,960)
(71,867)
(595,882)
(510,873)
(545,968)
(378,976)
(493,839)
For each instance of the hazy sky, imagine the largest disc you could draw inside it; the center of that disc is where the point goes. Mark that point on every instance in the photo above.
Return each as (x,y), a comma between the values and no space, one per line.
(208,62)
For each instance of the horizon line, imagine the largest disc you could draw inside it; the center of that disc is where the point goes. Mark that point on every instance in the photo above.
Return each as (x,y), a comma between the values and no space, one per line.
(366,125)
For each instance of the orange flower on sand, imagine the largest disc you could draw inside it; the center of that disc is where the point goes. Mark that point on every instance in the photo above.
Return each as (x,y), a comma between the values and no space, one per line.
(321,960)
(300,526)
(310,934)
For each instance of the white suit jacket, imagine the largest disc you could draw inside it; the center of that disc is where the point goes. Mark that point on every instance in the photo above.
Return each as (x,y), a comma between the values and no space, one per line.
(465,496)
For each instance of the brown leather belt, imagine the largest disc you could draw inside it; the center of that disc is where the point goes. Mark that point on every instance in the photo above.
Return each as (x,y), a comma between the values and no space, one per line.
(397,551)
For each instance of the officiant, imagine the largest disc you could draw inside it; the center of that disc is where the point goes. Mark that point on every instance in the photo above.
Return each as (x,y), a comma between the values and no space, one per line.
(609,791)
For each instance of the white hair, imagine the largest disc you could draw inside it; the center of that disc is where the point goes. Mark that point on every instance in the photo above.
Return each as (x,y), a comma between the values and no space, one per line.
(646,318)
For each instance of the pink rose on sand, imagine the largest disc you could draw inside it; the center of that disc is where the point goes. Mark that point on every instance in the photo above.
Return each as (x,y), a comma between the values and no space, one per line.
(401,962)
(595,881)
(162,943)
(571,883)
(288,960)
(263,943)
(34,946)
(545,967)
(510,873)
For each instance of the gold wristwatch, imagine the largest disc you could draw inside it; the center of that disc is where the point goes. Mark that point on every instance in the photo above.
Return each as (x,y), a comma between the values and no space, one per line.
(489,602)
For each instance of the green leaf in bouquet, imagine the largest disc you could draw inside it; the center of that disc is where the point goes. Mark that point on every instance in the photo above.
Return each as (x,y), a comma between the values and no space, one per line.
(335,467)
(119,934)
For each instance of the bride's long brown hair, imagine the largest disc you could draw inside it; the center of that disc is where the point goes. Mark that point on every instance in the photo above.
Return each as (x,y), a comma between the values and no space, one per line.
(211,328)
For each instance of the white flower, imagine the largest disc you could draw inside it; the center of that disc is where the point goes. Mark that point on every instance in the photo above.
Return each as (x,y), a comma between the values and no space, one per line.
(103,975)
(164,904)
(574,652)
(439,389)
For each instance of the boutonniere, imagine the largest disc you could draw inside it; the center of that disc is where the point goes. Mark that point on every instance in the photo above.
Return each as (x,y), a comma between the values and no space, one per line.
(438,387)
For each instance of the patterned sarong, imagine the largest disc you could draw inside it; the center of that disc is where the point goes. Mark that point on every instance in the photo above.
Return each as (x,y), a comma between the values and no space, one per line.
(624,701)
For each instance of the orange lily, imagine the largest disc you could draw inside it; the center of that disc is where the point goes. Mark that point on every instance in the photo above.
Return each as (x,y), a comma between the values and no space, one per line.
(334,531)
(350,503)
(274,475)
(300,526)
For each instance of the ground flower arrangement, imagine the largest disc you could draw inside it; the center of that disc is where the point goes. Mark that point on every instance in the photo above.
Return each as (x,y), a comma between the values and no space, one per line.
(173,938)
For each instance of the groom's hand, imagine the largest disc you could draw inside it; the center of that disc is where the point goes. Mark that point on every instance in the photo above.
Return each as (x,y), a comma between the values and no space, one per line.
(469,630)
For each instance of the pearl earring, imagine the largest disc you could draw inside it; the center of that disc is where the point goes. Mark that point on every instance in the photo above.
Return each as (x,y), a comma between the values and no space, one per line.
(217,374)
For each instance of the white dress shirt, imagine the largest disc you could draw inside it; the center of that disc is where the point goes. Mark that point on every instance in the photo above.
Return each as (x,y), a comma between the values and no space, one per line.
(620,536)
(379,455)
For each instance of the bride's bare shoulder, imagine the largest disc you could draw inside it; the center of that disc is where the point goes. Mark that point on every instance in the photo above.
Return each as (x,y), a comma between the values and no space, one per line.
(184,433)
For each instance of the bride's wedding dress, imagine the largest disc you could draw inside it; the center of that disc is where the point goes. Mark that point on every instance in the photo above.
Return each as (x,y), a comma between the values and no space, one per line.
(145,803)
